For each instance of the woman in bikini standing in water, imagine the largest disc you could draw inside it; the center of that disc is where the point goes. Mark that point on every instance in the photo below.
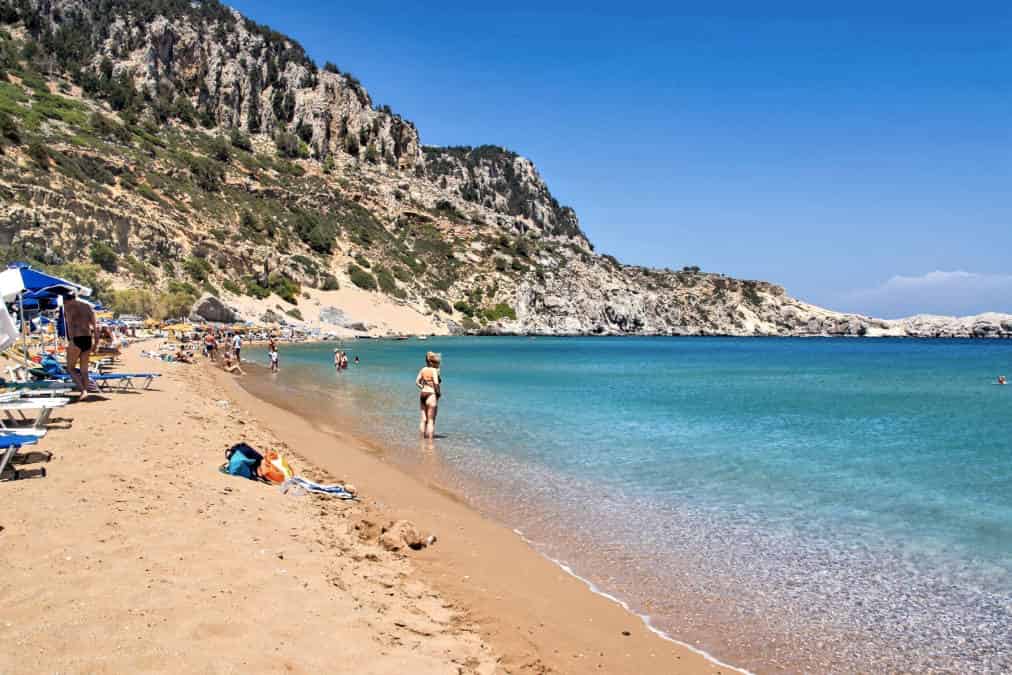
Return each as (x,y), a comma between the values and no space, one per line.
(428,382)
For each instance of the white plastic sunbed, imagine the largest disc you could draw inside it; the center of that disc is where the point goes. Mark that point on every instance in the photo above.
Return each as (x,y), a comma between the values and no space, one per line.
(44,407)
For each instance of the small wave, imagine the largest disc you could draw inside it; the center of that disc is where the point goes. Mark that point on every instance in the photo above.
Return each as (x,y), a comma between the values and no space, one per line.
(645,618)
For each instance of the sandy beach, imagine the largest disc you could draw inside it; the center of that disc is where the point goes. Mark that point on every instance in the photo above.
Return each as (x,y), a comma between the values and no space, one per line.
(135,554)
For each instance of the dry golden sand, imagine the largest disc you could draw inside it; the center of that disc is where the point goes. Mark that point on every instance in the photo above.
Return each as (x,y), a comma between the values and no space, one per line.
(135,554)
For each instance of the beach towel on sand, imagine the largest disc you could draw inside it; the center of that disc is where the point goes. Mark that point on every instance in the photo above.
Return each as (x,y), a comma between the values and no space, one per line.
(338,491)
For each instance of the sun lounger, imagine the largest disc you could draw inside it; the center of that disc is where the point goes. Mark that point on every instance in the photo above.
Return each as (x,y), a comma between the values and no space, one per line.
(110,381)
(14,410)
(11,443)
(37,388)
(46,392)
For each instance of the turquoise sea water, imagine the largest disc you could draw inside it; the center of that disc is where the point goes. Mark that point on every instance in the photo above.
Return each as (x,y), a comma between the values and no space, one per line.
(787,504)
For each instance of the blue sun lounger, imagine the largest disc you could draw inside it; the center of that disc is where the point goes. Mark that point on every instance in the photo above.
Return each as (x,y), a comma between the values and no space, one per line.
(11,443)
(104,381)
(109,381)
(113,381)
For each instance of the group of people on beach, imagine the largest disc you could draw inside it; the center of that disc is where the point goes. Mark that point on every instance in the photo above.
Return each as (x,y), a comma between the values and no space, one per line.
(231,352)
(341,360)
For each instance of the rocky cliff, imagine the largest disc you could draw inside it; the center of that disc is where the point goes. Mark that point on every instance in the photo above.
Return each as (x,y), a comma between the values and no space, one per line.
(166,149)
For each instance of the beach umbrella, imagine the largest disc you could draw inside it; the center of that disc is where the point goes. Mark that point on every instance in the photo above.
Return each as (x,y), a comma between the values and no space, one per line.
(20,278)
(33,289)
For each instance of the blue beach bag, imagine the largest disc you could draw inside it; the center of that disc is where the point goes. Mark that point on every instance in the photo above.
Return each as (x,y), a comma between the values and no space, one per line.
(242,461)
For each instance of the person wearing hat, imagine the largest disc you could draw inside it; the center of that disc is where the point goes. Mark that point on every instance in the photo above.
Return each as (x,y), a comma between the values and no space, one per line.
(82,327)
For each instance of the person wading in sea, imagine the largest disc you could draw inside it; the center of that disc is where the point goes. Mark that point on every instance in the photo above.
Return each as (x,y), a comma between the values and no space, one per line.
(429,383)
(82,328)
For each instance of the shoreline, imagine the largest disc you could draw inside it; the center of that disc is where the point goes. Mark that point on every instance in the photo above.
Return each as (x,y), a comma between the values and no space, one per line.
(479,568)
(720,596)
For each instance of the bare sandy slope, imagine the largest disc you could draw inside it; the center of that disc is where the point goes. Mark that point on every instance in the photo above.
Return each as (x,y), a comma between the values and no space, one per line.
(136,555)
(383,315)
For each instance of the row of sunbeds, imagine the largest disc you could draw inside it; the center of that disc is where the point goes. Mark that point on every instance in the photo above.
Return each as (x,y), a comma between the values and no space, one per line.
(33,393)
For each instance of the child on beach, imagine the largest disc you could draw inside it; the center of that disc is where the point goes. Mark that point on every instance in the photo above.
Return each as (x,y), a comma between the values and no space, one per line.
(429,383)
(274,357)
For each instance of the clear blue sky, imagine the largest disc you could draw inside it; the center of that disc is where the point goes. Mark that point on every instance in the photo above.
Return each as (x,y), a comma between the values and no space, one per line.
(829,147)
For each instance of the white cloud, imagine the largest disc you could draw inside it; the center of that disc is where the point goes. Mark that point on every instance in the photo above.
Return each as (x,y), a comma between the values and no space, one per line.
(956,293)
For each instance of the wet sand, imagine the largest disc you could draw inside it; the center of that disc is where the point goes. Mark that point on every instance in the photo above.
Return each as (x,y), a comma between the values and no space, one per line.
(537,617)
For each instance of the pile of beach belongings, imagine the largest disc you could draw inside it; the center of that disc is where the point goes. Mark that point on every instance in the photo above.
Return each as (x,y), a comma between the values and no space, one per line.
(273,467)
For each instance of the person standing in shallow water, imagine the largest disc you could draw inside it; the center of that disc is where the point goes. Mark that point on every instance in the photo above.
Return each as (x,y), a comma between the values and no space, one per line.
(429,384)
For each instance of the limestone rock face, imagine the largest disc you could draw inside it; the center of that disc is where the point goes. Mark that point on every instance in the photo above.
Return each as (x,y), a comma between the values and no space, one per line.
(210,308)
(333,315)
(470,235)
(503,181)
(236,73)
(337,317)
(990,325)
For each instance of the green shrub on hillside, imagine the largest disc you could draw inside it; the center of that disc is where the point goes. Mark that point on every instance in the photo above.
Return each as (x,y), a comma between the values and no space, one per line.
(207,173)
(287,289)
(231,287)
(439,304)
(402,274)
(290,146)
(330,283)
(240,140)
(103,255)
(183,288)
(500,311)
(294,313)
(387,283)
(174,306)
(139,269)
(250,228)
(361,278)
(254,289)
(9,129)
(39,154)
(464,308)
(198,268)
(751,295)
(220,149)
(351,146)
(138,302)
(316,231)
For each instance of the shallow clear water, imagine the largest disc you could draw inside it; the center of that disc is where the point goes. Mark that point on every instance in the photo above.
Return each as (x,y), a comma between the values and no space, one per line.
(788,504)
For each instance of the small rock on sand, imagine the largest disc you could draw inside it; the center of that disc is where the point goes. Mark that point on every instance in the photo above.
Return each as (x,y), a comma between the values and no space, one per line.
(400,535)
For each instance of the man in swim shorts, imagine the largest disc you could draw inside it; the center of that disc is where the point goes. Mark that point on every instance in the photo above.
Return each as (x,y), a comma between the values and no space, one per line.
(81,330)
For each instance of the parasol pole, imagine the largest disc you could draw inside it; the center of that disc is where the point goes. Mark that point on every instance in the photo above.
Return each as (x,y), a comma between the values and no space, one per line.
(24,326)
(63,313)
